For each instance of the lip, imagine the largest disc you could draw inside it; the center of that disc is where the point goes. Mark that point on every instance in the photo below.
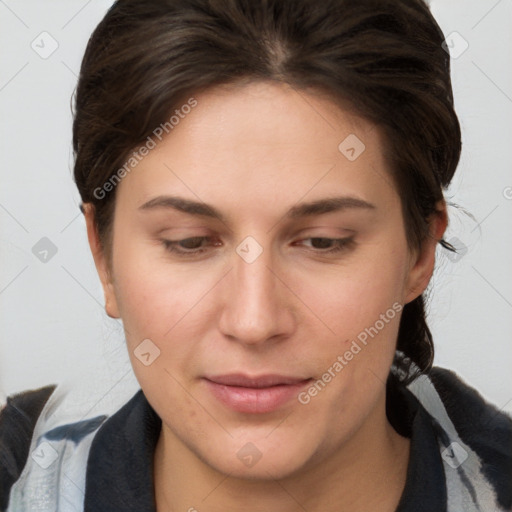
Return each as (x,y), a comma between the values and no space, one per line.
(255,395)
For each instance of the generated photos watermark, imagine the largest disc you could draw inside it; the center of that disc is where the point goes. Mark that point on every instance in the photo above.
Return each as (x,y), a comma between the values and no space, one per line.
(356,346)
(137,156)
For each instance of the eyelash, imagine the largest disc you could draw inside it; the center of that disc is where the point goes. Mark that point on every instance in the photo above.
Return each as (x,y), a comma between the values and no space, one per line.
(341,244)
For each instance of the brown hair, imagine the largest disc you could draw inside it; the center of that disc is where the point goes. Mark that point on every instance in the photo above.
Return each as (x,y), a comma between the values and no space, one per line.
(383,57)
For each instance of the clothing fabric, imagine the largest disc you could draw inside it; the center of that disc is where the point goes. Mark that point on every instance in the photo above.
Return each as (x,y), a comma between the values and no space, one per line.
(460,458)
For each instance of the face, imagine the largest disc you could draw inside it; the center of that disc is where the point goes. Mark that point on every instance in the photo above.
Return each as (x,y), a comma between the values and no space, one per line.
(266,267)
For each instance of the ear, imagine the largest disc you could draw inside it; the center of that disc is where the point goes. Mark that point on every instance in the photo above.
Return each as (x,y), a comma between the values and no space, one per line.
(423,261)
(100,261)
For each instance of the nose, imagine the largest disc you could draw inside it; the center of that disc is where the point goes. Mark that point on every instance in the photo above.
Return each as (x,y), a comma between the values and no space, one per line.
(257,305)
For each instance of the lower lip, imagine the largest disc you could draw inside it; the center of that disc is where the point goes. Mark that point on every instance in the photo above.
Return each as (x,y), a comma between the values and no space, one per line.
(255,400)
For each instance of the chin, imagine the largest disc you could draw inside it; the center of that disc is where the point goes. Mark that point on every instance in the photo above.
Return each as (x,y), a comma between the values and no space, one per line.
(263,459)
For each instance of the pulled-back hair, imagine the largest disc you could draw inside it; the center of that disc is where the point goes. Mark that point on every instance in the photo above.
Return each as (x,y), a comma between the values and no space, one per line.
(384,58)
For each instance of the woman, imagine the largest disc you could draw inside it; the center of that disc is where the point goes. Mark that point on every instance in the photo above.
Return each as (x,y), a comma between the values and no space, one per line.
(262,183)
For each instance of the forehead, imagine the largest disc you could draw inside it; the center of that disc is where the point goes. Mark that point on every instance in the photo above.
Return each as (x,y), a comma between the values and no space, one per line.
(271,115)
(261,141)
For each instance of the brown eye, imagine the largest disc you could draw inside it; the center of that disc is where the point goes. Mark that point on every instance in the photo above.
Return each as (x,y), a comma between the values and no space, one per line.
(191,243)
(323,245)
(192,246)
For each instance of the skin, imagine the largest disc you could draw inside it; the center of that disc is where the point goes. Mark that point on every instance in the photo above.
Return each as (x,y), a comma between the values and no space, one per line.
(254,152)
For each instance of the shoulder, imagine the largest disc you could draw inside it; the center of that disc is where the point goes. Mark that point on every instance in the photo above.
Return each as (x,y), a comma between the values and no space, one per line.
(482,427)
(477,421)
(17,421)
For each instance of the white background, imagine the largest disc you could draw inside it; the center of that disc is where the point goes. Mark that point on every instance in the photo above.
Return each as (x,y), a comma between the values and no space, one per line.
(52,323)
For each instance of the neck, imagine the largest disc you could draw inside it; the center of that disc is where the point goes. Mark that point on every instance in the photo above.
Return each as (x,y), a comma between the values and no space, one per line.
(367,473)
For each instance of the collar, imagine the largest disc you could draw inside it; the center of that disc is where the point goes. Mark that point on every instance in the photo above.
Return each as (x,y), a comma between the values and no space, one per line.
(119,473)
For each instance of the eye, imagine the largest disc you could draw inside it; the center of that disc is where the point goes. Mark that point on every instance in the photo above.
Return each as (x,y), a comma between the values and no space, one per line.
(324,245)
(197,245)
(187,246)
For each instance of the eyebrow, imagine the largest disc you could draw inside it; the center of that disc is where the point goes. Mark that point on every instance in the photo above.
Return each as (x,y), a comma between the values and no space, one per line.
(318,207)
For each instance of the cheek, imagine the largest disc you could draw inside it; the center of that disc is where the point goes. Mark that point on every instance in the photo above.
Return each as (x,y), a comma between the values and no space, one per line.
(152,295)
(352,364)
(154,302)
(361,307)
(352,297)
(155,309)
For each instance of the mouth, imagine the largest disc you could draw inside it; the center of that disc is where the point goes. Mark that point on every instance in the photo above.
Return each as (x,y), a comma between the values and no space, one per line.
(255,395)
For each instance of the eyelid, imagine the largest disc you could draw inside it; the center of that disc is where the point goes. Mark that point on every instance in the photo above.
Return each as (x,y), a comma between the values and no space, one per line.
(324,231)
